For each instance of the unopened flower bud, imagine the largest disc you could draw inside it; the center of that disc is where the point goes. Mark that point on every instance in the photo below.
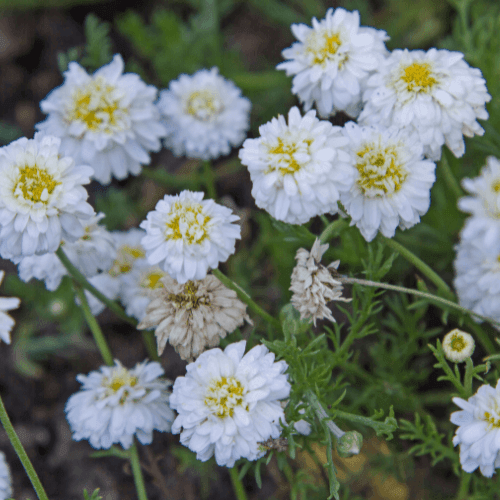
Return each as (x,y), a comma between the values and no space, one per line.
(349,444)
(458,345)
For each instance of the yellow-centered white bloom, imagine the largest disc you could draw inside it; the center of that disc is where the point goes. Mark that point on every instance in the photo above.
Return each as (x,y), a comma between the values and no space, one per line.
(205,115)
(478,433)
(108,119)
(458,345)
(6,322)
(115,404)
(313,285)
(435,93)
(293,167)
(194,316)
(187,235)
(42,198)
(390,181)
(5,479)
(332,61)
(229,402)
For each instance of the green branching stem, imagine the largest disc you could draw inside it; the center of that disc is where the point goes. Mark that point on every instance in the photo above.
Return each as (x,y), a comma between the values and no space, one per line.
(485,341)
(238,487)
(209,178)
(244,297)
(323,416)
(21,453)
(420,265)
(334,228)
(137,473)
(82,281)
(102,345)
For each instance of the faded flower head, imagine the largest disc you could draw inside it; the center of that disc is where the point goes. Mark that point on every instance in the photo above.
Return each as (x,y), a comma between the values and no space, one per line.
(458,345)
(116,403)
(313,285)
(6,322)
(193,316)
(5,479)
(478,433)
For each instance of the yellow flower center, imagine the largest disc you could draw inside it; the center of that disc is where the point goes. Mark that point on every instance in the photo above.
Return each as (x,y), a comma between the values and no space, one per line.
(494,422)
(324,46)
(188,298)
(496,186)
(34,184)
(96,106)
(152,280)
(418,77)
(120,377)
(379,171)
(126,256)
(223,395)
(457,343)
(204,104)
(188,222)
(134,252)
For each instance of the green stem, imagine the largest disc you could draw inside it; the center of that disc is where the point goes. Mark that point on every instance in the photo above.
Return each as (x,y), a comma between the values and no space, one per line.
(468,376)
(463,489)
(208,177)
(419,264)
(21,453)
(244,297)
(322,415)
(449,178)
(94,327)
(238,487)
(481,335)
(83,282)
(417,293)
(332,229)
(137,473)
(149,341)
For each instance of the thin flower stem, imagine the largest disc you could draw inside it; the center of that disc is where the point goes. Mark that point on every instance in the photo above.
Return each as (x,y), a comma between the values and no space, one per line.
(481,335)
(483,339)
(244,297)
(83,282)
(208,177)
(322,415)
(419,264)
(238,487)
(449,178)
(21,453)
(137,473)
(463,489)
(333,228)
(102,345)
(149,341)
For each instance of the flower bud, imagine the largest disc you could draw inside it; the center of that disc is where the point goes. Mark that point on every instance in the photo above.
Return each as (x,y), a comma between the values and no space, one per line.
(458,345)
(349,444)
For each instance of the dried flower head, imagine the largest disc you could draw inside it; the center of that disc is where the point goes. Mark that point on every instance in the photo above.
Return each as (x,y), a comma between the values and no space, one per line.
(313,285)
(193,316)
(458,345)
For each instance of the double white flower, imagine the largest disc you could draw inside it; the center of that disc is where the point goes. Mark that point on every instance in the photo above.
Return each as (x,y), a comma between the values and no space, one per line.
(435,93)
(332,60)
(42,198)
(108,119)
(228,403)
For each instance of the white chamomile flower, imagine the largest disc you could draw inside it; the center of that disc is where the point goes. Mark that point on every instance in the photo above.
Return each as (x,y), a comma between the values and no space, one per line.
(436,93)
(6,322)
(390,180)
(332,60)
(115,403)
(205,115)
(187,235)
(458,345)
(477,267)
(5,479)
(484,202)
(129,251)
(108,119)
(93,252)
(293,169)
(229,402)
(478,433)
(42,198)
(138,286)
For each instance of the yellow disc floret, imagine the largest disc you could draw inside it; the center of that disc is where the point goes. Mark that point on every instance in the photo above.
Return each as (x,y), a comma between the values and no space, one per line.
(223,395)
(323,46)
(188,299)
(204,104)
(380,173)
(281,157)
(120,377)
(418,77)
(187,221)
(152,279)
(96,105)
(34,184)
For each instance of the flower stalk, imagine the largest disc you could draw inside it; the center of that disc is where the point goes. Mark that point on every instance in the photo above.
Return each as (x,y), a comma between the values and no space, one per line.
(137,473)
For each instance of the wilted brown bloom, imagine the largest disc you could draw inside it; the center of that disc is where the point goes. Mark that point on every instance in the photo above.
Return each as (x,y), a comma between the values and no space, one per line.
(313,285)
(193,316)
